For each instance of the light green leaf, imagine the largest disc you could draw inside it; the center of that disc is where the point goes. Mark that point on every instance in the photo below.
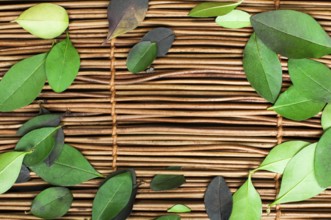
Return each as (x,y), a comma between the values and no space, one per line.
(234,19)
(280,155)
(10,167)
(141,56)
(263,69)
(299,182)
(247,203)
(292,34)
(326,117)
(52,203)
(44,20)
(69,169)
(60,77)
(40,141)
(179,208)
(293,105)
(22,83)
(322,160)
(213,9)
(40,121)
(168,217)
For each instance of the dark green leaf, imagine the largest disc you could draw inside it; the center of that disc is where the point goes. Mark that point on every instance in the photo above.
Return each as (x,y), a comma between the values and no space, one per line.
(52,203)
(218,199)
(24,175)
(141,56)
(125,15)
(57,149)
(40,121)
(10,166)
(263,69)
(326,117)
(234,19)
(60,77)
(22,83)
(43,111)
(322,160)
(179,208)
(168,217)
(309,78)
(163,37)
(69,169)
(293,105)
(116,194)
(166,182)
(292,34)
(40,141)
(213,9)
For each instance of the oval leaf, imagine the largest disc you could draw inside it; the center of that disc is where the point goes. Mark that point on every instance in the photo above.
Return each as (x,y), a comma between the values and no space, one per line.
(179,208)
(299,182)
(141,56)
(69,169)
(40,141)
(293,105)
(52,203)
(163,37)
(234,19)
(326,117)
(114,195)
(213,9)
(24,175)
(125,15)
(292,34)
(263,69)
(57,149)
(218,199)
(168,217)
(322,160)
(40,121)
(44,20)
(22,83)
(166,182)
(308,76)
(60,77)
(10,166)
(247,203)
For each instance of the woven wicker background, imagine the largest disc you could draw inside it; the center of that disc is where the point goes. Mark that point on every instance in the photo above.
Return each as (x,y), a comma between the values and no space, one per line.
(196,111)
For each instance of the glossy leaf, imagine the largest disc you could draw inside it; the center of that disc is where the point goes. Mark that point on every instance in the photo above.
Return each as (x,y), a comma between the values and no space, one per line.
(308,76)
(213,9)
(326,117)
(60,77)
(52,203)
(44,20)
(218,199)
(22,83)
(40,141)
(293,105)
(125,15)
(179,208)
(40,121)
(280,155)
(234,19)
(263,69)
(299,182)
(163,37)
(322,160)
(168,217)
(162,182)
(70,168)
(114,195)
(24,175)
(292,34)
(57,149)
(247,203)
(10,166)
(141,56)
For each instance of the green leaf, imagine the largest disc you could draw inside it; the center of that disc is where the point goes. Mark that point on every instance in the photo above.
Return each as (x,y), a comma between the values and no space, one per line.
(114,196)
(299,182)
(293,105)
(292,34)
(10,167)
(60,77)
(168,217)
(22,83)
(124,16)
(326,117)
(57,149)
(309,78)
(162,182)
(52,203)
(263,69)
(179,208)
(40,142)
(70,168)
(213,9)
(141,56)
(280,155)
(44,20)
(24,175)
(247,203)
(234,19)
(40,121)
(322,160)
